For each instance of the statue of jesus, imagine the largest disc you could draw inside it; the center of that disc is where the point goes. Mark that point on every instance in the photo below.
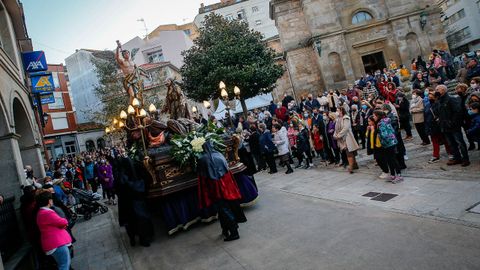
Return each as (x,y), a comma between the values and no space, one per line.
(132,81)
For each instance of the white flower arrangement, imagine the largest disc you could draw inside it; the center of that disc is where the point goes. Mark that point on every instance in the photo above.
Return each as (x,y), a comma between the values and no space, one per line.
(197,144)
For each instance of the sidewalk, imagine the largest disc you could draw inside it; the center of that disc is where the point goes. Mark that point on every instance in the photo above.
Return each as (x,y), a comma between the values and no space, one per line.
(434,190)
(99,245)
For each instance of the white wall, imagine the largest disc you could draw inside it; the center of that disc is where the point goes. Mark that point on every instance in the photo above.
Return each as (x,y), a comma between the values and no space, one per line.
(172,44)
(267,26)
(83,78)
(93,135)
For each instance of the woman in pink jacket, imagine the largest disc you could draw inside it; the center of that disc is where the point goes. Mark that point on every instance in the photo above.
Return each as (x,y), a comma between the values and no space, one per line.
(54,237)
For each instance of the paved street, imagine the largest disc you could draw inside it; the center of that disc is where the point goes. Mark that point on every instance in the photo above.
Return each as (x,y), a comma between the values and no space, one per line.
(318,219)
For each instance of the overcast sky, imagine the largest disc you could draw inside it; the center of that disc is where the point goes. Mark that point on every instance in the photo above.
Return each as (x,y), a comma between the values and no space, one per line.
(60,26)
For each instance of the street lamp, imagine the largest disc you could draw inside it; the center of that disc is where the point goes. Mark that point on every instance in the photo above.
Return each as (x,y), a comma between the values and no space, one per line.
(423,19)
(236,91)
(224,95)
(194,109)
(123,115)
(206,104)
(130,110)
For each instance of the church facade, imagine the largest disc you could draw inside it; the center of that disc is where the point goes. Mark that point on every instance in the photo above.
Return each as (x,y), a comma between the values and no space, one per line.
(330,43)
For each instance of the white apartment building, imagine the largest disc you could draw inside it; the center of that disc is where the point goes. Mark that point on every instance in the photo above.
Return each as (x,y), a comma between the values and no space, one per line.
(461,19)
(83,78)
(166,46)
(255,12)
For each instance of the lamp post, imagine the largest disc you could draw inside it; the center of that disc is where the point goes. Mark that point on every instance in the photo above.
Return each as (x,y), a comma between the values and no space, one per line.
(224,95)
(423,19)
(138,115)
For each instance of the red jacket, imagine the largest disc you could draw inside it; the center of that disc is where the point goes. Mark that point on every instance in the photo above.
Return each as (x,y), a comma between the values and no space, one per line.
(52,229)
(317,141)
(281,113)
(389,95)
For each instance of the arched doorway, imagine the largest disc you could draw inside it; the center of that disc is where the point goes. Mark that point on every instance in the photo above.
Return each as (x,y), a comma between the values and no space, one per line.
(90,145)
(413,45)
(29,148)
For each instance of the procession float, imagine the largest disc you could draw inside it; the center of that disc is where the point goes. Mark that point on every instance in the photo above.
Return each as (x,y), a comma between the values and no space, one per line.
(169,146)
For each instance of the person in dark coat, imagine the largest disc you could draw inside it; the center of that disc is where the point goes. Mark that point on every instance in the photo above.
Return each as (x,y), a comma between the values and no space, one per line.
(303,146)
(403,108)
(267,148)
(132,205)
(254,143)
(449,115)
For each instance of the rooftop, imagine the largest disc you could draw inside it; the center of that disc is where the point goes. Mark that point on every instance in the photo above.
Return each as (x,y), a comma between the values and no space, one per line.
(221,4)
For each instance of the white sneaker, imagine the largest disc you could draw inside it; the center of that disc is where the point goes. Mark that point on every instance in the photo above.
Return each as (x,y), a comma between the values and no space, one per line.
(384,175)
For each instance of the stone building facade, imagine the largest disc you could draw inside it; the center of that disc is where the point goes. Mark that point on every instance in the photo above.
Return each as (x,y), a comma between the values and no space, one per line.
(329,44)
(20,139)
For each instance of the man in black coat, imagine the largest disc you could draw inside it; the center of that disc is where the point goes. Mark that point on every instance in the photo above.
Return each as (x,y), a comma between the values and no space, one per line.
(449,114)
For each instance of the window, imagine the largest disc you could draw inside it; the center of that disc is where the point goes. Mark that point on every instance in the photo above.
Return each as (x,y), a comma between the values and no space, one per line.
(258,22)
(361,17)
(58,101)
(229,17)
(59,123)
(56,82)
(155,57)
(70,147)
(254,9)
(241,15)
(455,17)
(459,36)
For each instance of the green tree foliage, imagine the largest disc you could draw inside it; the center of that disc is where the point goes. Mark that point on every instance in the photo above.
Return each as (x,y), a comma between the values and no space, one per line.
(109,90)
(228,51)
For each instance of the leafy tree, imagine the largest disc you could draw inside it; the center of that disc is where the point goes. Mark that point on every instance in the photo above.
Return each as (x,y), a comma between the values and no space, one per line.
(228,51)
(109,90)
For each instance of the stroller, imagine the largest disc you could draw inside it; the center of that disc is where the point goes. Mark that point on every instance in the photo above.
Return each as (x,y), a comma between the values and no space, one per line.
(87,203)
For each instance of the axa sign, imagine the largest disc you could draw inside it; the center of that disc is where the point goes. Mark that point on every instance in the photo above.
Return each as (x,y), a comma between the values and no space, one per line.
(43,83)
(34,61)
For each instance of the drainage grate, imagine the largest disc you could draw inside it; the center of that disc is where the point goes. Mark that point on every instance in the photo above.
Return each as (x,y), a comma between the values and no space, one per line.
(371,194)
(384,197)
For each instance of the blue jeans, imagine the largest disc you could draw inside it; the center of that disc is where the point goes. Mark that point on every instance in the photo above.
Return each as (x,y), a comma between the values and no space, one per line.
(62,257)
(457,145)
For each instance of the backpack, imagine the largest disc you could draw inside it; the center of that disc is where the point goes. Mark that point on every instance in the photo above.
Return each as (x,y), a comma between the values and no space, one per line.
(386,134)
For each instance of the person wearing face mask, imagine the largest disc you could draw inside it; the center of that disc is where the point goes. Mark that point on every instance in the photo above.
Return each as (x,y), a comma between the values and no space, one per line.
(475,84)
(312,103)
(417,110)
(473,133)
(345,139)
(432,128)
(105,176)
(449,117)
